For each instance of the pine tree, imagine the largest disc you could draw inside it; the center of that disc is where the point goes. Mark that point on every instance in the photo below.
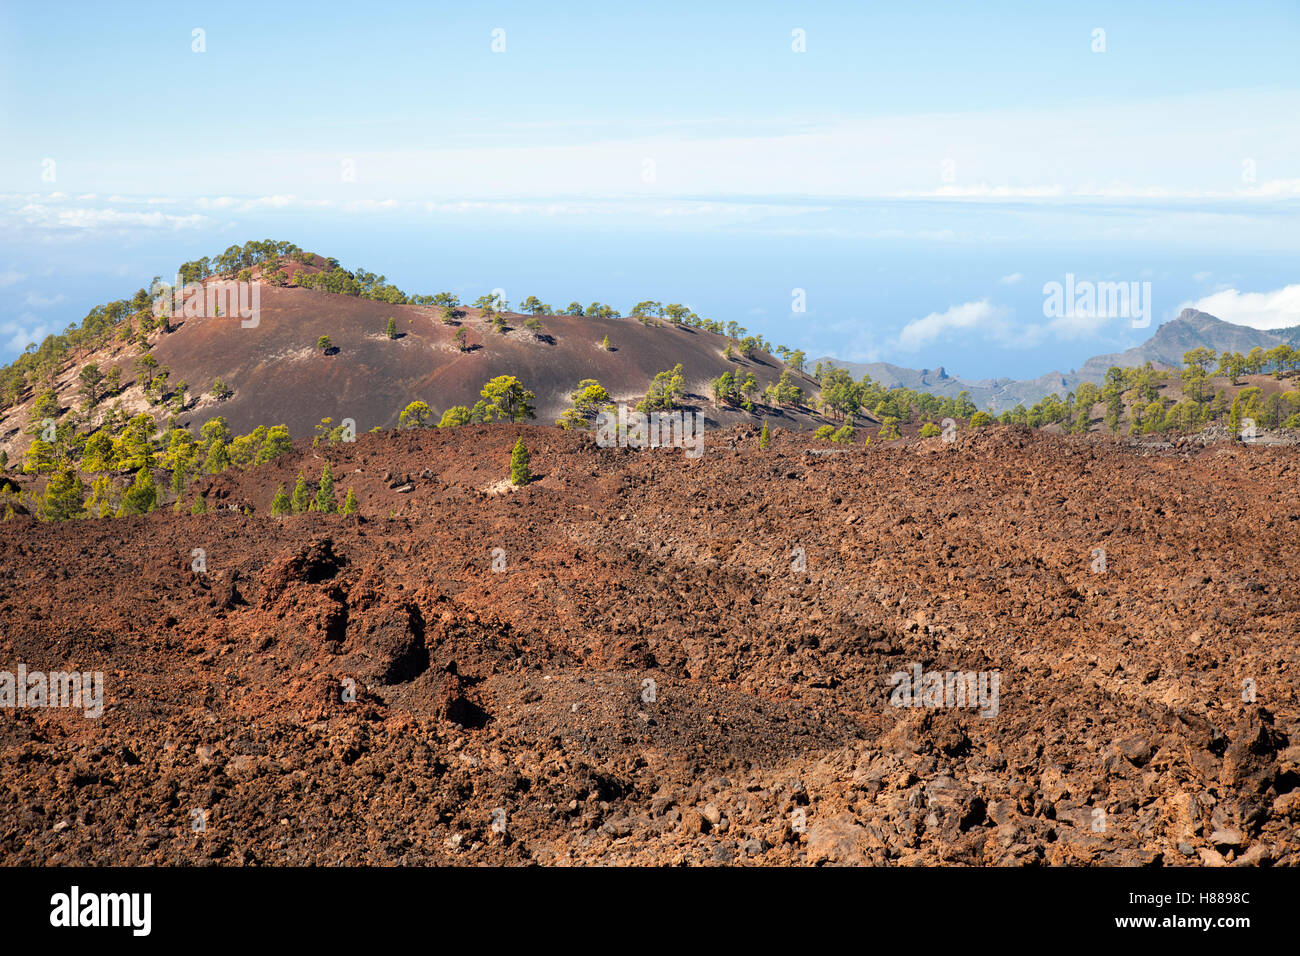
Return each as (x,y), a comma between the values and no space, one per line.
(218,459)
(350,505)
(1235,415)
(280,504)
(765,437)
(64,495)
(221,391)
(519,471)
(325,502)
(180,478)
(142,497)
(200,506)
(301,495)
(605,343)
(391,331)
(100,502)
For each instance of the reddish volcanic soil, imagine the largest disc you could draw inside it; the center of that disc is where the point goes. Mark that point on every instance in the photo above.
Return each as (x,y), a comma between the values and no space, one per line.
(508,716)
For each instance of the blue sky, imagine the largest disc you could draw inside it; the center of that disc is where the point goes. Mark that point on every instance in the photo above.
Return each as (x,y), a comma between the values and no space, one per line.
(920,170)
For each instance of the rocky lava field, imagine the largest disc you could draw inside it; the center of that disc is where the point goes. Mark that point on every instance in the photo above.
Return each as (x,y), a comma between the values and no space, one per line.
(640,658)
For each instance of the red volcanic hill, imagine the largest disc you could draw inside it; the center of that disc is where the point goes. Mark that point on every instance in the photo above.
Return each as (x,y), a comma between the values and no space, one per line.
(280,376)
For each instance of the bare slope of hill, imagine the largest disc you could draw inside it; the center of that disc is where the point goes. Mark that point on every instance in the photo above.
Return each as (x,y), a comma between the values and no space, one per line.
(1165,349)
(279,374)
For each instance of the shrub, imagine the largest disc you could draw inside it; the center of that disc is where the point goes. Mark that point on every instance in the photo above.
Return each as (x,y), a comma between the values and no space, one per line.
(328,432)
(391,331)
(350,503)
(324,344)
(930,430)
(980,420)
(765,436)
(280,504)
(415,415)
(588,399)
(221,391)
(456,415)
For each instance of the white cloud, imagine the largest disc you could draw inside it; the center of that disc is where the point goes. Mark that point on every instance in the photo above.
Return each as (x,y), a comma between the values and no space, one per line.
(1274,189)
(17,334)
(237,204)
(1011,279)
(983,316)
(34,300)
(1279,309)
(988,322)
(38,214)
(9,277)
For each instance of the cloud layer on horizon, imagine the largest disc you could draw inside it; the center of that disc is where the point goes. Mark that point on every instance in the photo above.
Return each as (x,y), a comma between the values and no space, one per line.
(1278,309)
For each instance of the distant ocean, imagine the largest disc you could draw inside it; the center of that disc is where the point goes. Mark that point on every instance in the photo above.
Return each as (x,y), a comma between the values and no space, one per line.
(861,284)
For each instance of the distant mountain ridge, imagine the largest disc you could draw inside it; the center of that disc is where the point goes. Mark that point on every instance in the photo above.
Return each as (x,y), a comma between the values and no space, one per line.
(1192,329)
